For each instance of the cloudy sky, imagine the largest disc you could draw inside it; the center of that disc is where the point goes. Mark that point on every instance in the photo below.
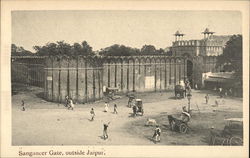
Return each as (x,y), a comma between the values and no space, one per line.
(131,28)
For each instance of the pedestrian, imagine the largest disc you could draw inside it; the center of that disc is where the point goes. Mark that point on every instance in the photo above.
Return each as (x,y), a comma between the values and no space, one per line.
(23,107)
(220,92)
(67,101)
(230,91)
(134,110)
(207,98)
(105,130)
(92,113)
(71,104)
(106,108)
(225,93)
(196,86)
(157,134)
(115,109)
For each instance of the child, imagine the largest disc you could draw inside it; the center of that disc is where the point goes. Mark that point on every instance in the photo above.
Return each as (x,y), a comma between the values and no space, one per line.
(115,109)
(67,101)
(105,131)
(106,108)
(23,108)
(92,113)
(71,104)
(157,134)
(207,98)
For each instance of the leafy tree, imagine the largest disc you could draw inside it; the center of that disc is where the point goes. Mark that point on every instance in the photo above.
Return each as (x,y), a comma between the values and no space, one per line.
(232,55)
(231,59)
(118,50)
(86,49)
(19,51)
(62,48)
(160,51)
(148,50)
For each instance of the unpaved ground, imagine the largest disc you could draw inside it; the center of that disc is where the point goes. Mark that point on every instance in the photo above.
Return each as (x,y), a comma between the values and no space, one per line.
(46,123)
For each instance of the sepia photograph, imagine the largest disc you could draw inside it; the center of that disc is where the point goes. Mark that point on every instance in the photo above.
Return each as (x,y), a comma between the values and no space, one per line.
(151,83)
(125,77)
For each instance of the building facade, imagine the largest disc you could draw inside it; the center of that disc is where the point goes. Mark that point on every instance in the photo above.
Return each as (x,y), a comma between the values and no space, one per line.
(201,54)
(210,45)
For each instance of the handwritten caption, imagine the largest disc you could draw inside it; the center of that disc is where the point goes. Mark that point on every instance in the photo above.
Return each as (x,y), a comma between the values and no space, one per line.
(57,153)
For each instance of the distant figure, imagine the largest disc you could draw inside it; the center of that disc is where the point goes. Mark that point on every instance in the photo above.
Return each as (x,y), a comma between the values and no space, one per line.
(207,98)
(134,110)
(157,134)
(187,83)
(220,92)
(225,93)
(71,104)
(105,130)
(196,86)
(92,113)
(67,101)
(230,91)
(23,108)
(106,108)
(115,109)
(216,103)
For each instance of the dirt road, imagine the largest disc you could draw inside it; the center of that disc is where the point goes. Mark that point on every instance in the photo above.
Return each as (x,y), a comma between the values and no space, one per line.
(46,123)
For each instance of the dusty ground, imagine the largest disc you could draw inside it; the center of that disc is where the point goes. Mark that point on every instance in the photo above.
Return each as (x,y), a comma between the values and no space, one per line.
(46,123)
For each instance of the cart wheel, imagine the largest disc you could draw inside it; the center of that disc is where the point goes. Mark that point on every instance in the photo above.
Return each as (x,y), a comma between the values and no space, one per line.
(236,141)
(183,128)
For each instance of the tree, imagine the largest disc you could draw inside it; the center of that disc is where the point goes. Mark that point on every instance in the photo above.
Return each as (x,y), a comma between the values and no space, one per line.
(148,50)
(118,50)
(86,49)
(19,51)
(231,59)
(62,48)
(160,51)
(232,55)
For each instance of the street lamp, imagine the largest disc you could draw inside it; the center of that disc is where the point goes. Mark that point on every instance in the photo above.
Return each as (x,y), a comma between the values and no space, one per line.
(189,96)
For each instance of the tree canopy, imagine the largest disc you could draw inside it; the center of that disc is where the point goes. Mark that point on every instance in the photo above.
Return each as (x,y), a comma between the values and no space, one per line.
(19,51)
(118,50)
(62,48)
(231,59)
(83,48)
(121,50)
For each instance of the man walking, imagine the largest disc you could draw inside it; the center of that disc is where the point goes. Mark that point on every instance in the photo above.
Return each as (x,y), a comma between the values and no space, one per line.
(157,134)
(92,113)
(105,130)
(207,98)
(115,109)
(23,108)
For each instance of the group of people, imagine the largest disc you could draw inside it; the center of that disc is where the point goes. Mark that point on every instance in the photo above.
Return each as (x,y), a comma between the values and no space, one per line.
(70,105)
(105,125)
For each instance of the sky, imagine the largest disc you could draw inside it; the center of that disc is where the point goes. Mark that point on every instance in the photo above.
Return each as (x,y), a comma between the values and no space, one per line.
(131,28)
